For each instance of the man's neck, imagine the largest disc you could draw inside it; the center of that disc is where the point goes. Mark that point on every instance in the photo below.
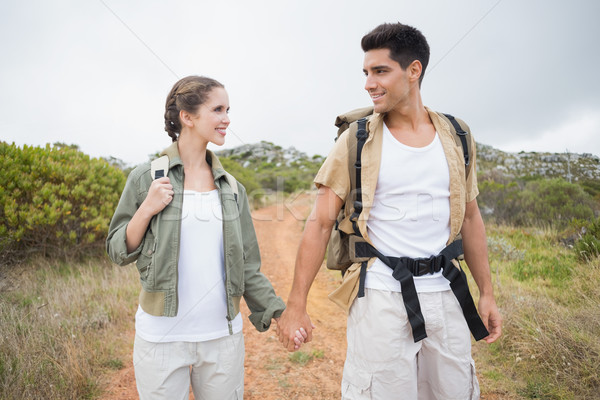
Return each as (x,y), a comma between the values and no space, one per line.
(411,125)
(407,117)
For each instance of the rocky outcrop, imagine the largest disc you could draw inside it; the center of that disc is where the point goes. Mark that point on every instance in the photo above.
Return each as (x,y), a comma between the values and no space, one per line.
(253,155)
(570,166)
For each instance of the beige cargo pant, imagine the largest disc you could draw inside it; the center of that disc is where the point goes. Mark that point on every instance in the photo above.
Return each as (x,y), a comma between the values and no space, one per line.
(215,369)
(383,362)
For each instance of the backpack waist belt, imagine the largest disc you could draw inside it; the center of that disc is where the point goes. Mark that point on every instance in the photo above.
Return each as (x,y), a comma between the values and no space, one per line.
(404,268)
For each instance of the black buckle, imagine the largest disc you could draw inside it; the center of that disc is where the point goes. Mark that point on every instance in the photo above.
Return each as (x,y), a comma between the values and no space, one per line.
(424,266)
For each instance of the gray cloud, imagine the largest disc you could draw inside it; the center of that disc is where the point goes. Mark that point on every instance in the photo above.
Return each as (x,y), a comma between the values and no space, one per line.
(522,74)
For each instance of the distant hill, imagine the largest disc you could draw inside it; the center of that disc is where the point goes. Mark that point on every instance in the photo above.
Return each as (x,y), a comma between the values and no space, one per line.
(254,155)
(271,167)
(576,167)
(570,166)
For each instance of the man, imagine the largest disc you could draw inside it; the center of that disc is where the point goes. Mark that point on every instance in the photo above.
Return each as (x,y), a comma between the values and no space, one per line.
(401,344)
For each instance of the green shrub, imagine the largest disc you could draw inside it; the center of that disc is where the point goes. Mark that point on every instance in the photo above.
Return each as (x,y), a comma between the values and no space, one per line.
(500,198)
(245,177)
(539,202)
(54,201)
(592,187)
(588,246)
(554,201)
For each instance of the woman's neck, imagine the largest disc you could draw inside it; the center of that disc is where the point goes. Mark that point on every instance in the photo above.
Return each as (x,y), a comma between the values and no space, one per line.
(198,173)
(192,150)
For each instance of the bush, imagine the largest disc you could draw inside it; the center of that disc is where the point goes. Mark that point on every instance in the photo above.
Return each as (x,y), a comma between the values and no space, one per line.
(540,202)
(554,201)
(588,246)
(245,177)
(54,201)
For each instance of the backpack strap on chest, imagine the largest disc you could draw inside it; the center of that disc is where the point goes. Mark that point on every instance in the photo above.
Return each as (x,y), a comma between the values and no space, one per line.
(159,167)
(361,138)
(462,135)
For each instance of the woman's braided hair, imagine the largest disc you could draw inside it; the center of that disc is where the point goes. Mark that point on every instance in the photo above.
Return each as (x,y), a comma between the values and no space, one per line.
(188,94)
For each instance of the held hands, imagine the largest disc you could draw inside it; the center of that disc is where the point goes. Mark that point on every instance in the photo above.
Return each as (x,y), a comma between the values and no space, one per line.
(159,196)
(299,338)
(291,328)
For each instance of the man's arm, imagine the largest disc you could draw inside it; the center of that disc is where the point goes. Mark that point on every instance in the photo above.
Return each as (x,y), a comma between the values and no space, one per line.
(476,257)
(308,261)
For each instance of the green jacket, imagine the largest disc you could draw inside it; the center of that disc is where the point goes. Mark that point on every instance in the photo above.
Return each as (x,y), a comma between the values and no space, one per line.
(157,256)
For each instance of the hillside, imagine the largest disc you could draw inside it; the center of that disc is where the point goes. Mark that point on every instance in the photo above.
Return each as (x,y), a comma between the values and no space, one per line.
(260,157)
(257,154)
(270,167)
(577,167)
(67,321)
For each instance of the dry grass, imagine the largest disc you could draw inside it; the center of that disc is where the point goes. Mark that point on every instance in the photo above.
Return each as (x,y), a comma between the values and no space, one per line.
(550,347)
(59,324)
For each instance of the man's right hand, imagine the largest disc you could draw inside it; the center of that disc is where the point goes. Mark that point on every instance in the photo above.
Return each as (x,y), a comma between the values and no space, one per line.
(308,262)
(292,320)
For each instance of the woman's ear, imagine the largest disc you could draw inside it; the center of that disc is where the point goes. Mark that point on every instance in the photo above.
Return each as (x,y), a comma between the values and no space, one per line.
(186,118)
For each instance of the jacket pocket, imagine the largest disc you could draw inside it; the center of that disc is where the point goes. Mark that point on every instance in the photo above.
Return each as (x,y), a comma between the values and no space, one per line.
(145,260)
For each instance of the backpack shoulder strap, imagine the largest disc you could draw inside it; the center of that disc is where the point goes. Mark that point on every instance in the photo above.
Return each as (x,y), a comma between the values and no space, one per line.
(356,140)
(233,184)
(159,167)
(355,122)
(344,121)
(462,137)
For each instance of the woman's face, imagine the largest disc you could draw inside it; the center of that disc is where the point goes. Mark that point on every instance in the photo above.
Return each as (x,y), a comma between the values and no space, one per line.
(212,118)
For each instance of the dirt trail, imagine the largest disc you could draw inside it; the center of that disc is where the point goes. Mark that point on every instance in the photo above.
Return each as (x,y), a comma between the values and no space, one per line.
(271,372)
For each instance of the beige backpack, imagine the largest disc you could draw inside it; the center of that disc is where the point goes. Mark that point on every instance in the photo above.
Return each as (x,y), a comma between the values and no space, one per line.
(345,235)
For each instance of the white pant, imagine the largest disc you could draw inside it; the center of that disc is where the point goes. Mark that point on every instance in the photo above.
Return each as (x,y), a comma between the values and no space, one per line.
(383,361)
(214,368)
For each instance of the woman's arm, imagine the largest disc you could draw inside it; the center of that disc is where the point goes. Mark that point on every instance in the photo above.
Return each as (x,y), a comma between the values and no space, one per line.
(160,194)
(259,294)
(123,243)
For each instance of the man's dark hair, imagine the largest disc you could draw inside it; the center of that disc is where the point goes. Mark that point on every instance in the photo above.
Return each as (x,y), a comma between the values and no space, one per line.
(405,43)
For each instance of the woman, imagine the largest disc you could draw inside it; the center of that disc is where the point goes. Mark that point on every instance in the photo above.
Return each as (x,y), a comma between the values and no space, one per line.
(194,242)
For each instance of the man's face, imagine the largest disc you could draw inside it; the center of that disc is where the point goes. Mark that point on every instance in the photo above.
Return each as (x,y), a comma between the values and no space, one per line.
(387,83)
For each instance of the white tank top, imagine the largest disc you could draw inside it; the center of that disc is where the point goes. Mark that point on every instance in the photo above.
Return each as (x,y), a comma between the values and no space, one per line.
(202,307)
(410,216)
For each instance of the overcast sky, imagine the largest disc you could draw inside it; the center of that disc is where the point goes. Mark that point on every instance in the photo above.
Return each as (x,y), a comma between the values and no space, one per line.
(522,73)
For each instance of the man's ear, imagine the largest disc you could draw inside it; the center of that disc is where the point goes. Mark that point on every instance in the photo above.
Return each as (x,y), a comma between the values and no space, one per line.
(415,69)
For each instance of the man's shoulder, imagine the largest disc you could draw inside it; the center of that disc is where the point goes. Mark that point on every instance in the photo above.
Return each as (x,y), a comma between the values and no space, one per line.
(444,119)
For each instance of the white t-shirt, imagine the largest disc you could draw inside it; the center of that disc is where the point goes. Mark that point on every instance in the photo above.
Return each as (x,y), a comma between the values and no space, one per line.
(410,216)
(202,308)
